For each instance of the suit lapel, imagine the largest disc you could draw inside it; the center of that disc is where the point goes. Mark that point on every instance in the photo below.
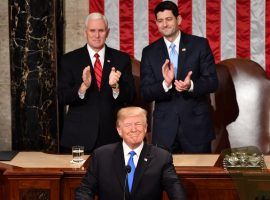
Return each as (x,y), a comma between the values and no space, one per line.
(120,164)
(144,160)
(106,67)
(182,55)
(163,53)
(87,60)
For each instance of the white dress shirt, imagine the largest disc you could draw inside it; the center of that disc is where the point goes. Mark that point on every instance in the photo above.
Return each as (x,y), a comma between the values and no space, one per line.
(127,155)
(168,44)
(101,54)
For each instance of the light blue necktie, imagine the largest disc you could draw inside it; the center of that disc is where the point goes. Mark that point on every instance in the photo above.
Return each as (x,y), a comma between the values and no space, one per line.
(174,58)
(131,173)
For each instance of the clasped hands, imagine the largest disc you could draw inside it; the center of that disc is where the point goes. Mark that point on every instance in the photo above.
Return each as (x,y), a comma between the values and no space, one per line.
(87,78)
(168,75)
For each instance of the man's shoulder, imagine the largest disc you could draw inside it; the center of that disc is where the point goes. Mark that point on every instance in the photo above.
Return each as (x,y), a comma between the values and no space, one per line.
(156,44)
(108,148)
(75,52)
(193,38)
(117,53)
(158,150)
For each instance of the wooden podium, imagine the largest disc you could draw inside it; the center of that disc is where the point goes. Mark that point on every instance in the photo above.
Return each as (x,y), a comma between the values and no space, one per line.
(36,175)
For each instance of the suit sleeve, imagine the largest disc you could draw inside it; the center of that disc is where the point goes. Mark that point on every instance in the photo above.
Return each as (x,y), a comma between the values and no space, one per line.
(88,188)
(171,182)
(68,86)
(151,88)
(207,82)
(126,84)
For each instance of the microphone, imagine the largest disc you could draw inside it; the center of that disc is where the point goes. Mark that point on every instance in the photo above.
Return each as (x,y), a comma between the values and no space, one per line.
(127,170)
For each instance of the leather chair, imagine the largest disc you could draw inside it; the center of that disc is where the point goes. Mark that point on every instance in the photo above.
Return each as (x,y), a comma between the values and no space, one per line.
(138,100)
(241,106)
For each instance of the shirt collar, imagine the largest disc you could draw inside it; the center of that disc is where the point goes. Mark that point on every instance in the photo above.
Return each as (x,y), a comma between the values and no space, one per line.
(126,149)
(92,53)
(176,42)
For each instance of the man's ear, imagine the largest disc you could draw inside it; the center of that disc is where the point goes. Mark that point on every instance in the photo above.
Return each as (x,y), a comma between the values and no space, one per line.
(146,128)
(179,20)
(119,131)
(108,32)
(84,33)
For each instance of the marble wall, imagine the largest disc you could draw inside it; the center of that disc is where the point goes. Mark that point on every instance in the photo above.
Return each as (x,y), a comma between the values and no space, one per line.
(75,12)
(33,69)
(5,100)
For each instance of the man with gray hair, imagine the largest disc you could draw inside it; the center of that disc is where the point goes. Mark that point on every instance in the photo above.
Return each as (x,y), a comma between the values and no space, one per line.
(95,81)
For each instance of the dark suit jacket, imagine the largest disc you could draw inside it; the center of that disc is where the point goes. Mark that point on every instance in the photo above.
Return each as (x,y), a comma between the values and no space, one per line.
(188,109)
(94,116)
(106,175)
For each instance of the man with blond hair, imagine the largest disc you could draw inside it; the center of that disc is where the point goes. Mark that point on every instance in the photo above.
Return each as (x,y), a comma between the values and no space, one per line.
(130,169)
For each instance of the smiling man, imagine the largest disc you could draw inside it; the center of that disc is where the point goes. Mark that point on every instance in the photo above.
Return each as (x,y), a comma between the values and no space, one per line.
(95,81)
(178,73)
(130,169)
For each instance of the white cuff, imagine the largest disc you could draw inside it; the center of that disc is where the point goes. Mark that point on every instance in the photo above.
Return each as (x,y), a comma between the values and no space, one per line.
(191,86)
(115,94)
(166,89)
(81,95)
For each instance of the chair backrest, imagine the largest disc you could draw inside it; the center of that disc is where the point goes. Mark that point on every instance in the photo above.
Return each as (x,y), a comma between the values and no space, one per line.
(241,111)
(138,100)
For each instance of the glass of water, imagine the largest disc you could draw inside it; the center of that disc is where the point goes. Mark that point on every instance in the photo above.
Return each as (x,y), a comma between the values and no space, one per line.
(77,153)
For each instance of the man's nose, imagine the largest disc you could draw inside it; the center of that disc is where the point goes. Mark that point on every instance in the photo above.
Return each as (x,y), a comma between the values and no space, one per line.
(97,34)
(164,23)
(133,127)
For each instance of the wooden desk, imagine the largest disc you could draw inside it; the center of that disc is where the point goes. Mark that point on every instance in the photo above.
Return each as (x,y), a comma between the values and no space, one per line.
(36,175)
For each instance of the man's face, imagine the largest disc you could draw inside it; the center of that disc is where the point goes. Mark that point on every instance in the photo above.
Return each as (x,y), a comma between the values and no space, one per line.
(168,24)
(96,33)
(132,130)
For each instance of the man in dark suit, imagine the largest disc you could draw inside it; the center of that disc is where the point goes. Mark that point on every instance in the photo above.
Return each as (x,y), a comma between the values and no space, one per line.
(178,73)
(149,168)
(95,82)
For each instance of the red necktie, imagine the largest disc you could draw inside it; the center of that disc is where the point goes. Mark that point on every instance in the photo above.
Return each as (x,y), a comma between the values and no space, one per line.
(98,70)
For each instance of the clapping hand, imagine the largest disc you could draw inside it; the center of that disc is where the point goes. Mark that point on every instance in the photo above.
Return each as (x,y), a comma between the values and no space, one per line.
(87,79)
(183,85)
(86,76)
(114,77)
(168,72)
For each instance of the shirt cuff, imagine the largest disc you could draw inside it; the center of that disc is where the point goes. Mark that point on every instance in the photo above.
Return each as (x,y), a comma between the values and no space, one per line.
(115,94)
(81,95)
(166,89)
(191,86)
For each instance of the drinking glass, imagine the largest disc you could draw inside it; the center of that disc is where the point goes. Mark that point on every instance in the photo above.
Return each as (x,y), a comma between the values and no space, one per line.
(77,153)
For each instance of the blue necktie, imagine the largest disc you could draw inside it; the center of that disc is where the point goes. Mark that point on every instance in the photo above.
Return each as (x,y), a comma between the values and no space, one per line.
(174,58)
(131,173)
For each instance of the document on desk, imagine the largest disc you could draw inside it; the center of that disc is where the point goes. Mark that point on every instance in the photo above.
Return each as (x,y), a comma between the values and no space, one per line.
(7,155)
(43,160)
(195,159)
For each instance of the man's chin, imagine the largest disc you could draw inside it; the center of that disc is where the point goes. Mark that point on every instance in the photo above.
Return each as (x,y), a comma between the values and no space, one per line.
(98,44)
(167,34)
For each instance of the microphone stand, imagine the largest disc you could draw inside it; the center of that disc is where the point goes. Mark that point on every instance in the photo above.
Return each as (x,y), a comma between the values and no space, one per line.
(128,170)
